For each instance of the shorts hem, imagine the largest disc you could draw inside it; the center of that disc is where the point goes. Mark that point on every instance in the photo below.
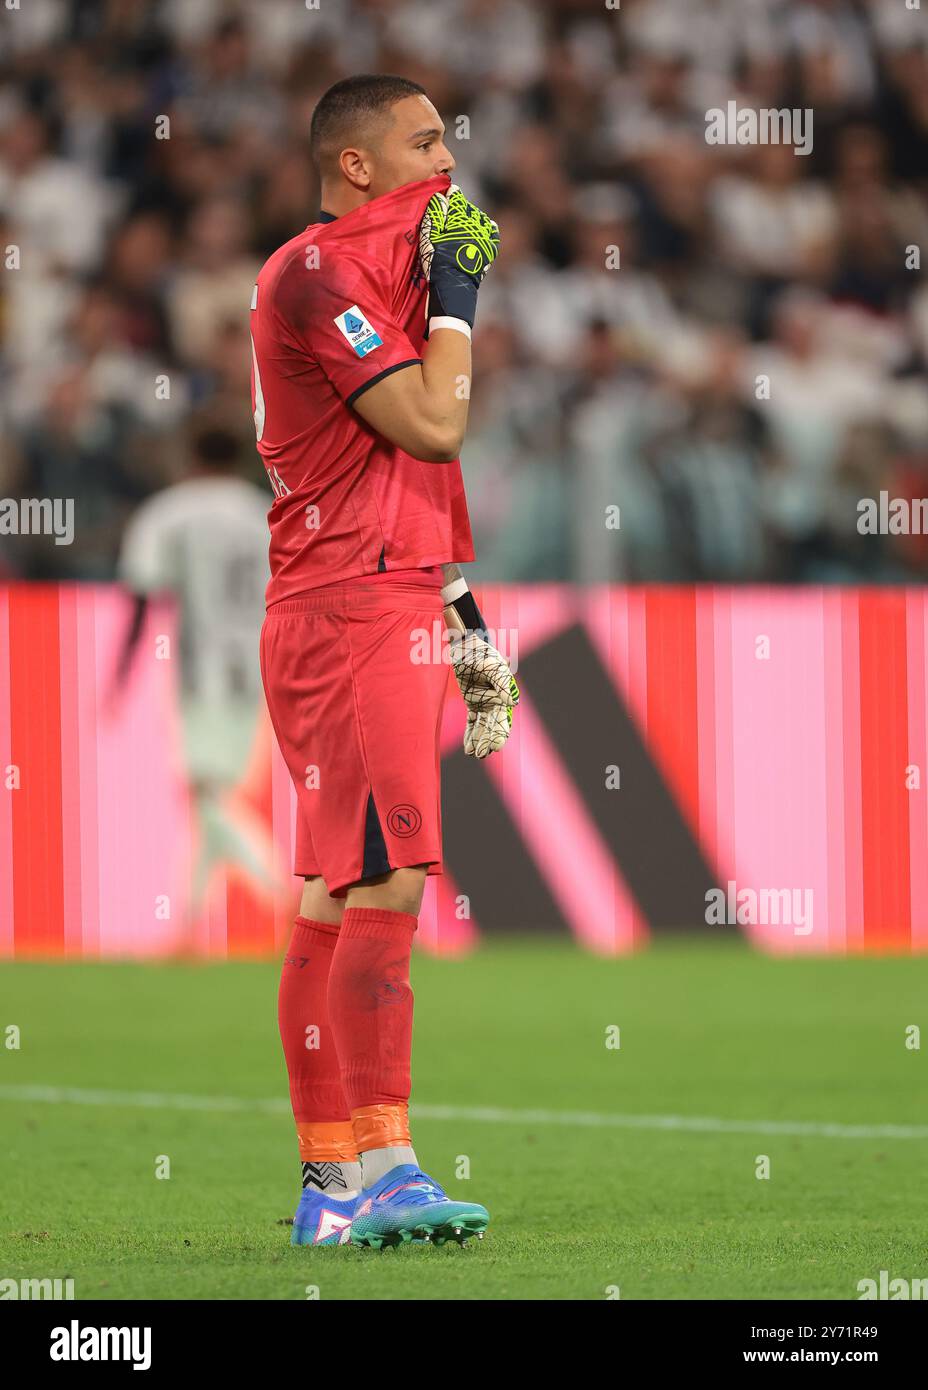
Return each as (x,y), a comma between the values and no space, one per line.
(345,881)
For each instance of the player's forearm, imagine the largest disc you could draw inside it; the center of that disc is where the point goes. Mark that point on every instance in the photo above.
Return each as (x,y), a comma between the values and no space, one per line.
(461,611)
(446,373)
(451,574)
(128,648)
(452,578)
(423,409)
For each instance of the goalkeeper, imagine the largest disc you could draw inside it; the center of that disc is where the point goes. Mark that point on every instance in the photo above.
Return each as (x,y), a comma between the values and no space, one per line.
(361,330)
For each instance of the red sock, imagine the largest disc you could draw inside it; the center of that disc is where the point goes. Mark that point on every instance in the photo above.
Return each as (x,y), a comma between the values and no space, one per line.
(370,1007)
(323,1122)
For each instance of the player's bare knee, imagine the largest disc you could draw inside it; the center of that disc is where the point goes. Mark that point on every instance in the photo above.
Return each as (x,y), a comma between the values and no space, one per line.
(317,905)
(400,890)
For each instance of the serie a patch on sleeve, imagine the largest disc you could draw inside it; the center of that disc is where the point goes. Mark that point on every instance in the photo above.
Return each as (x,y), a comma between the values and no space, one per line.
(360,332)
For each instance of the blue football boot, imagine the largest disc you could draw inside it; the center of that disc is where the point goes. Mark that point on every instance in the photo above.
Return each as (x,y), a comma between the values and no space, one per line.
(406,1204)
(321,1219)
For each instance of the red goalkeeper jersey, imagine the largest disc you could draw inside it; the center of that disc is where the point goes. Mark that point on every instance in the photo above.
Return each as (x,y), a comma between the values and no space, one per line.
(334,311)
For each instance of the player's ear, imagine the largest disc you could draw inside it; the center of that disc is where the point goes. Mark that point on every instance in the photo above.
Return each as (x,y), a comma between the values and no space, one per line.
(355,168)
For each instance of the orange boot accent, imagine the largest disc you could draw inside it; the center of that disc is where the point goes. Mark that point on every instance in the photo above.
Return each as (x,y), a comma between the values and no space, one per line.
(380,1126)
(330,1142)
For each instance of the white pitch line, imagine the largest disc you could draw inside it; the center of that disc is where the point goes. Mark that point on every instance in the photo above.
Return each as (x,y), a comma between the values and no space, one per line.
(486,1114)
(142,1100)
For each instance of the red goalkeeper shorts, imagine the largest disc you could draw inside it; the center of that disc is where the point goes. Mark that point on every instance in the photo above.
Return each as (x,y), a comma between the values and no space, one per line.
(357,713)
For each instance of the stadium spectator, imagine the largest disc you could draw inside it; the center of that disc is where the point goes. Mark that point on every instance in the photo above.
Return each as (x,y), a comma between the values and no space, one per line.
(151,158)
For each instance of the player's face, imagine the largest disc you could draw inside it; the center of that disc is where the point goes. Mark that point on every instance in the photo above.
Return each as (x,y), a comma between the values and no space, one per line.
(411,148)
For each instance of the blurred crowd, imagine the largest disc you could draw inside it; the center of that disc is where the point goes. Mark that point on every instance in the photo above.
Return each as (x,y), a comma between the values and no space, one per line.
(726,343)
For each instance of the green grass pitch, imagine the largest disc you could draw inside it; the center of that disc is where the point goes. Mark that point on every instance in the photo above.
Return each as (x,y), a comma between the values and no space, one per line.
(708,1029)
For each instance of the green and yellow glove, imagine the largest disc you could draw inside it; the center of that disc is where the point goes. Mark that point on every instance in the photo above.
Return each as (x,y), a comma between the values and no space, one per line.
(457,245)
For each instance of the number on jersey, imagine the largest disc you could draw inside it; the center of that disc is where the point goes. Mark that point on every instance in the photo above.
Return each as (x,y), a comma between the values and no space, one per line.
(278,485)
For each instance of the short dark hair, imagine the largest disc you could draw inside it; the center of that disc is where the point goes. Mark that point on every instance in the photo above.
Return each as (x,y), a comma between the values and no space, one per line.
(215,447)
(344,109)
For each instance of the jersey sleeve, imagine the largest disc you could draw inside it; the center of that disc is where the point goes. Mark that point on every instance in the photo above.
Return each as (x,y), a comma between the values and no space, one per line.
(339,316)
(143,561)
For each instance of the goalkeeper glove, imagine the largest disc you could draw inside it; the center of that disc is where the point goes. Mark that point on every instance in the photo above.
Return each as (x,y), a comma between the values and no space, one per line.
(489,691)
(487,730)
(489,717)
(457,245)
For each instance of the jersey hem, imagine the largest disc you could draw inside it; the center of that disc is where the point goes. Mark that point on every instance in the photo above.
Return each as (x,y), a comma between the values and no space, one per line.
(333,581)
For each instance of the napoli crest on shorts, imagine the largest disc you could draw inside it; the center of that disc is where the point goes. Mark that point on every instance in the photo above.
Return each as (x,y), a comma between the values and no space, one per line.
(403,820)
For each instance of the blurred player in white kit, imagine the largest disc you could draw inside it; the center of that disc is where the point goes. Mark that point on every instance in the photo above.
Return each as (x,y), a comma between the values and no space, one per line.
(204,540)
